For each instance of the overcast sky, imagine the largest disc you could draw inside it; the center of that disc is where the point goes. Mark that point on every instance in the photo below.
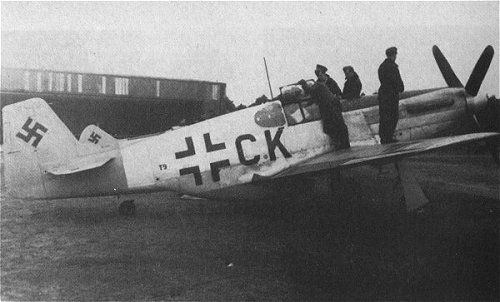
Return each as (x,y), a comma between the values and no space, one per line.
(226,41)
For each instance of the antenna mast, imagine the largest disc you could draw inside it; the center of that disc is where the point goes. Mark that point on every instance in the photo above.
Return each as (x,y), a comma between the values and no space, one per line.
(268,81)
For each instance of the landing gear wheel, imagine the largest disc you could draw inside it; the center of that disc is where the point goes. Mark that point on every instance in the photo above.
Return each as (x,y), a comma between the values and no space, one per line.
(127,208)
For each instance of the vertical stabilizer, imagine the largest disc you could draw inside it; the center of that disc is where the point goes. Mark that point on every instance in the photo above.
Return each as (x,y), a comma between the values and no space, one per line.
(95,140)
(34,137)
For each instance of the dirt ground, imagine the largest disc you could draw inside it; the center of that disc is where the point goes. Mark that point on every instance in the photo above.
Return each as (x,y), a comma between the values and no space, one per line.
(173,248)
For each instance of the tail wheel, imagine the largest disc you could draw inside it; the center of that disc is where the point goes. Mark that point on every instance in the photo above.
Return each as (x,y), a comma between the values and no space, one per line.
(127,208)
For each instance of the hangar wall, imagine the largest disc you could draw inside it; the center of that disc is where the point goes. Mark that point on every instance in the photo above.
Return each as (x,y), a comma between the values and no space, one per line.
(123,106)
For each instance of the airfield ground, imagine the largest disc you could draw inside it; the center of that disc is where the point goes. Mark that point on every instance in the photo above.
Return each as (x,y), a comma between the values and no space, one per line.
(82,249)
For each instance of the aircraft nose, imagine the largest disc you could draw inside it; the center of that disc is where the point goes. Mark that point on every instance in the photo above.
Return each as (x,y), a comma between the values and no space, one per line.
(477,104)
(486,111)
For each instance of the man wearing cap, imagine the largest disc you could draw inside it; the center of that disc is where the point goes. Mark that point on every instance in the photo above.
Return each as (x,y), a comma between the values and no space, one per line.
(352,85)
(388,96)
(329,82)
(329,106)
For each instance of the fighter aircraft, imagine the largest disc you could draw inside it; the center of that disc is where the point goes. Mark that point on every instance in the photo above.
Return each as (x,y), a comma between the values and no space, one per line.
(239,155)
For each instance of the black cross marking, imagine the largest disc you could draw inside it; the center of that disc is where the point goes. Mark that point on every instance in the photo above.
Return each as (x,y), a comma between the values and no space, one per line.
(94,138)
(212,147)
(32,132)
(216,166)
(190,149)
(192,170)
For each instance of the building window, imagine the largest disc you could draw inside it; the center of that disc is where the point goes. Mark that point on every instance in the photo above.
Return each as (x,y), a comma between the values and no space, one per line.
(68,81)
(157,88)
(27,80)
(80,83)
(59,82)
(39,81)
(51,80)
(121,86)
(103,85)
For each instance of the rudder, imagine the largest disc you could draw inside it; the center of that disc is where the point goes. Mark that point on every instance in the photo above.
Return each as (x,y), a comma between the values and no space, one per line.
(34,137)
(95,140)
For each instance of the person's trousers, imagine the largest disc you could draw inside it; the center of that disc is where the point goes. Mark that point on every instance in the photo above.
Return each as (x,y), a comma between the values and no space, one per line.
(389,115)
(334,125)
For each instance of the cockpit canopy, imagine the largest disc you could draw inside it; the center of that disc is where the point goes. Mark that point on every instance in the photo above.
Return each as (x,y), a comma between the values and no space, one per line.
(294,92)
(299,107)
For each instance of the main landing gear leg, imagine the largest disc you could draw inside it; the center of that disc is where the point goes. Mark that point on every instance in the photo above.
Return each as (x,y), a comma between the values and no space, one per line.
(127,208)
(414,196)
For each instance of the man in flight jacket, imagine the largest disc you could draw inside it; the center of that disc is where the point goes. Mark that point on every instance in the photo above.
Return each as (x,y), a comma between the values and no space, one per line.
(388,96)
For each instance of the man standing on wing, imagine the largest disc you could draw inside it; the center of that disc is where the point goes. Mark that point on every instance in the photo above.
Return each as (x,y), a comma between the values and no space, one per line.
(352,85)
(388,96)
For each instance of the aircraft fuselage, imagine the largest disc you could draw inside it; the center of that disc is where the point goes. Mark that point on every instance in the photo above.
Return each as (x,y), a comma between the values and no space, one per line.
(205,158)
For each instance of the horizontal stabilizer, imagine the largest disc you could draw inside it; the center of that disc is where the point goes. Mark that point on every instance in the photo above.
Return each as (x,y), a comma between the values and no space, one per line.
(79,164)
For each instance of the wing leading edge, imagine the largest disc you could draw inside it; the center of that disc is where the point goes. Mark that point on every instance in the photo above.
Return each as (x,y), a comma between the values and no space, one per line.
(376,154)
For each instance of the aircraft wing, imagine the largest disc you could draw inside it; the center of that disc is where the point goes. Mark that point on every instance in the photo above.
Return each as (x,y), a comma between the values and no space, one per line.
(376,154)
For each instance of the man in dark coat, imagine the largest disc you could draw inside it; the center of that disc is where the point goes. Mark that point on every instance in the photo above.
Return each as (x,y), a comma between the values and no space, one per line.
(329,82)
(330,108)
(388,96)
(352,85)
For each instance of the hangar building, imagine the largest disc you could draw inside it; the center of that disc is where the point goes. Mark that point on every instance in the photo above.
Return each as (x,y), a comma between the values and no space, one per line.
(123,106)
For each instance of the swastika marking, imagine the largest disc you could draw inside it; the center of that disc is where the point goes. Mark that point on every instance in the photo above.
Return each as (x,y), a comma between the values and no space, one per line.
(94,138)
(32,132)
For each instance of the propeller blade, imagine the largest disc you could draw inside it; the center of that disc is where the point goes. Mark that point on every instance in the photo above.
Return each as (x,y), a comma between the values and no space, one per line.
(448,74)
(479,72)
